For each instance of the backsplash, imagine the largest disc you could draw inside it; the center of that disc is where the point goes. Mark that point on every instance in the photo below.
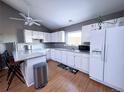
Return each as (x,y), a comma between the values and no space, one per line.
(62,45)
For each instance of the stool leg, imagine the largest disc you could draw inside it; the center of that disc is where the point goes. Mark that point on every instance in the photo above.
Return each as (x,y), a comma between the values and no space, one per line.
(9,73)
(10,80)
(19,78)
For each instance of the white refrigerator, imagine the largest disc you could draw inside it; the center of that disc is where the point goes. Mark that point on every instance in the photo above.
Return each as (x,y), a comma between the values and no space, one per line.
(107,56)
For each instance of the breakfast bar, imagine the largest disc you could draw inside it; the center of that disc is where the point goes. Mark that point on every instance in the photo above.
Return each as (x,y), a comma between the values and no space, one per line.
(30,58)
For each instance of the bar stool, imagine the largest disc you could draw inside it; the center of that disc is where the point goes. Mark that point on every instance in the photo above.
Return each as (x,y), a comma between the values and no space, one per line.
(13,68)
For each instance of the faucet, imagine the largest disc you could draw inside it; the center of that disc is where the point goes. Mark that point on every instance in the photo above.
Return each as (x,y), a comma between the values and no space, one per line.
(73,48)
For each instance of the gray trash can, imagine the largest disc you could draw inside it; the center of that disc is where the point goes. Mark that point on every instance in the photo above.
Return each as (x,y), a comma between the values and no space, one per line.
(40,75)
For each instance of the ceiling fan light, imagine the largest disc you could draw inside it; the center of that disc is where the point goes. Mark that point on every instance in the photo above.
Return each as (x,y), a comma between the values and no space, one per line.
(26,23)
(30,24)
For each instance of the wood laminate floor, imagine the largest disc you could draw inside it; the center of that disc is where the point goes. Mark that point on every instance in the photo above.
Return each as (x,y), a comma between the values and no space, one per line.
(60,80)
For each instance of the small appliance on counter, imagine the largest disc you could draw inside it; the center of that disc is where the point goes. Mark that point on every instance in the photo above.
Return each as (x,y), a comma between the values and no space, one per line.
(28,47)
(85,48)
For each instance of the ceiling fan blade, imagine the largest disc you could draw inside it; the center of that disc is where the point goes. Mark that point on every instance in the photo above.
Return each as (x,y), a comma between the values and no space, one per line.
(36,23)
(36,20)
(23,15)
(19,19)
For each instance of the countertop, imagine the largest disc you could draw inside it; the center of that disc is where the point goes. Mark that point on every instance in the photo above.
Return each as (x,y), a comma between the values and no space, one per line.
(75,51)
(24,55)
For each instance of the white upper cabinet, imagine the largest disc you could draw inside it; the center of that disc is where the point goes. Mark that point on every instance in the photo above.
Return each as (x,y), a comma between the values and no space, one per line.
(40,35)
(53,37)
(58,36)
(27,36)
(37,35)
(120,21)
(34,34)
(47,37)
(61,36)
(86,31)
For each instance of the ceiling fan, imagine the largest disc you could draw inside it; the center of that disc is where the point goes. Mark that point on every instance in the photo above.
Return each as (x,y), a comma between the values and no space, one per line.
(27,19)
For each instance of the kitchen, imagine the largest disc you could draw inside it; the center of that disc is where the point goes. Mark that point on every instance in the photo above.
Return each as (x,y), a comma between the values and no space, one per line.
(84,51)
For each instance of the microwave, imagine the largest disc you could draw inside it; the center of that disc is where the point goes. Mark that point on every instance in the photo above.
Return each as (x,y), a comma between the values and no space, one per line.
(84,48)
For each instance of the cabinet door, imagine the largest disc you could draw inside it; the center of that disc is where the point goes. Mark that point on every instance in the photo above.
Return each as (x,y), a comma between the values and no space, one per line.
(56,37)
(34,34)
(53,54)
(82,62)
(40,35)
(86,32)
(61,36)
(27,69)
(70,59)
(64,57)
(85,63)
(53,37)
(47,37)
(48,53)
(28,36)
(78,61)
(57,55)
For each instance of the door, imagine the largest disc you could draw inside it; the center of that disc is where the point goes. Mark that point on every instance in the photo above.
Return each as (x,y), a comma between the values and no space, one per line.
(97,54)
(114,65)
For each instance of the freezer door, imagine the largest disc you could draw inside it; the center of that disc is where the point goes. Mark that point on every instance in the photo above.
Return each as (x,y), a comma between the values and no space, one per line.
(97,40)
(114,65)
(96,68)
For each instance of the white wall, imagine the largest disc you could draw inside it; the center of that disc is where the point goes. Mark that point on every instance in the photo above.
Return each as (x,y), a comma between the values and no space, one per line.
(2,48)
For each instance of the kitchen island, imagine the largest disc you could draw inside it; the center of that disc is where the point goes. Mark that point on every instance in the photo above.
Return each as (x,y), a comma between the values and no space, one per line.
(30,58)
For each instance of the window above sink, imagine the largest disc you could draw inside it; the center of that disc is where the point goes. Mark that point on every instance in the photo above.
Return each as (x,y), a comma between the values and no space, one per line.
(73,38)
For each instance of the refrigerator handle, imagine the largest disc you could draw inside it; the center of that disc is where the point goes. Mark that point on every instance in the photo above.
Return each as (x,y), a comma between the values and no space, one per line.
(96,51)
(106,53)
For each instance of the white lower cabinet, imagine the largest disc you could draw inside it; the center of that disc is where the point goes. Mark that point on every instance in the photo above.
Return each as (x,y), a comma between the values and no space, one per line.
(78,61)
(57,55)
(82,62)
(64,57)
(48,54)
(85,63)
(70,59)
(53,54)
(27,69)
